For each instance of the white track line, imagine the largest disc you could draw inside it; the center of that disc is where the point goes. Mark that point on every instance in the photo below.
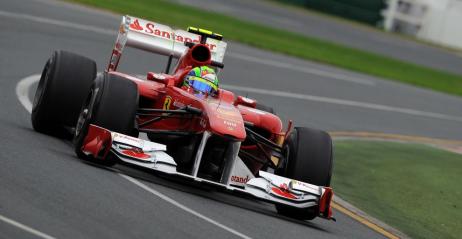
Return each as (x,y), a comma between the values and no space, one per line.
(54,22)
(22,91)
(25,228)
(183,207)
(112,32)
(343,102)
(307,70)
(23,86)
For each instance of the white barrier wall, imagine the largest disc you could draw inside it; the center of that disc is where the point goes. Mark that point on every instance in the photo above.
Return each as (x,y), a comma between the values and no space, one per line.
(444,23)
(439,21)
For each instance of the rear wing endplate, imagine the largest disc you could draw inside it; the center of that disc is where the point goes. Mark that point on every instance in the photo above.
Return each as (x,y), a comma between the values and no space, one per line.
(160,39)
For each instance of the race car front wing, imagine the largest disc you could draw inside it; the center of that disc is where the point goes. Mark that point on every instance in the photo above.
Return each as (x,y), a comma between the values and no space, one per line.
(100,142)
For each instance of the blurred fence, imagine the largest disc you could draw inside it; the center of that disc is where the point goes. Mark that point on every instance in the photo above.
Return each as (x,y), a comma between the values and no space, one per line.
(366,11)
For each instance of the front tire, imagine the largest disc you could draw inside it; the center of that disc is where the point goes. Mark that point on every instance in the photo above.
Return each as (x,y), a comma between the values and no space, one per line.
(112,104)
(63,86)
(309,159)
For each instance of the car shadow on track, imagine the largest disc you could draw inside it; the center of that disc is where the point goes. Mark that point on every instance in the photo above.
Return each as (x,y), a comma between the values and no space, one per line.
(204,191)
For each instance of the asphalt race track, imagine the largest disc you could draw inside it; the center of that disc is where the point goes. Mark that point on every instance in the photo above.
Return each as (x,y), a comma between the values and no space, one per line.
(46,192)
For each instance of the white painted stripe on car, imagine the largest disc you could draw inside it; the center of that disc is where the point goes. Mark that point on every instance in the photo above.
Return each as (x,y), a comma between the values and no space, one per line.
(183,207)
(239,56)
(23,86)
(25,228)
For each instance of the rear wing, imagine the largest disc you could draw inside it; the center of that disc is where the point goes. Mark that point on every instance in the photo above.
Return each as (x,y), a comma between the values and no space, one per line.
(160,39)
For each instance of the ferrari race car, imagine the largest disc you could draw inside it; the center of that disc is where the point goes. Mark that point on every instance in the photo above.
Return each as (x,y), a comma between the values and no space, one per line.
(232,142)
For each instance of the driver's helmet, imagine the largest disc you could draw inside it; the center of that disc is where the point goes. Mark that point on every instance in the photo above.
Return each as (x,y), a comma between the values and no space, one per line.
(202,80)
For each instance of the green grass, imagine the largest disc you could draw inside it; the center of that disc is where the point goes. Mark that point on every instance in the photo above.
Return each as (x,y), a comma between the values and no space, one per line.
(414,188)
(285,42)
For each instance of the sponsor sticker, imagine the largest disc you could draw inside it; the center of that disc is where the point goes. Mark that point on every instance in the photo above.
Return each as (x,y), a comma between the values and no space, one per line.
(230,125)
(158,76)
(179,104)
(256,111)
(136,25)
(159,30)
(238,179)
(248,100)
(301,186)
(229,112)
(283,191)
(230,115)
(167,103)
(138,154)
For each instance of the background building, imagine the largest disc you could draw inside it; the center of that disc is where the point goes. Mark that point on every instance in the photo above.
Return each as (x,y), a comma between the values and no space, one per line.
(437,21)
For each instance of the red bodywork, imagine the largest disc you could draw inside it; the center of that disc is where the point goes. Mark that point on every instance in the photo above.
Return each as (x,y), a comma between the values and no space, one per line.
(219,139)
(223,114)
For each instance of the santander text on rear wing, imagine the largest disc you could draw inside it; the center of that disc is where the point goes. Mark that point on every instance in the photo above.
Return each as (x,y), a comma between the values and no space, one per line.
(157,38)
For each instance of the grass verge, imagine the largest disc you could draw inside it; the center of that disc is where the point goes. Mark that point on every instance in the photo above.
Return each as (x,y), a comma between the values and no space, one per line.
(285,42)
(414,188)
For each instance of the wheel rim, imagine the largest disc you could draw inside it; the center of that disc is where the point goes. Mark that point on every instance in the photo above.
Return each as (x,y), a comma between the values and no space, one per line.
(42,83)
(85,114)
(282,169)
(81,121)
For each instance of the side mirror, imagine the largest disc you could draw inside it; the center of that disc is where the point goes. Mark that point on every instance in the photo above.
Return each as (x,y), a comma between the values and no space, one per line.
(241,100)
(160,78)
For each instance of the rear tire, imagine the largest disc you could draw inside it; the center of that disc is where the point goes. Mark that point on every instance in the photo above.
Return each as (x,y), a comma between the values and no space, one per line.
(309,159)
(265,108)
(63,86)
(112,104)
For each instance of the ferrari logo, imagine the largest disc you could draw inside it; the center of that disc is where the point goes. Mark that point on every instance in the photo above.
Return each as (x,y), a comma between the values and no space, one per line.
(167,103)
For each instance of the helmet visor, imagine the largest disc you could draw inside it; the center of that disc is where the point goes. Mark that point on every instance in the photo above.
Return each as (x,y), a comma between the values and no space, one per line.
(202,85)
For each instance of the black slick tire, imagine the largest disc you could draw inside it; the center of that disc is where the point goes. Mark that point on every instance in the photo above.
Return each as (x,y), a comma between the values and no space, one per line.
(63,86)
(309,159)
(112,104)
(265,108)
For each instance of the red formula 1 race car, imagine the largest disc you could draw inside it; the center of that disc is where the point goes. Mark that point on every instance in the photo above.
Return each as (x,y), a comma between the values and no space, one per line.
(196,130)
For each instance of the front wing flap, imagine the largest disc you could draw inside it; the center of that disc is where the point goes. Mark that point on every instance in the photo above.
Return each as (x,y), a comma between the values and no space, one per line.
(100,142)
